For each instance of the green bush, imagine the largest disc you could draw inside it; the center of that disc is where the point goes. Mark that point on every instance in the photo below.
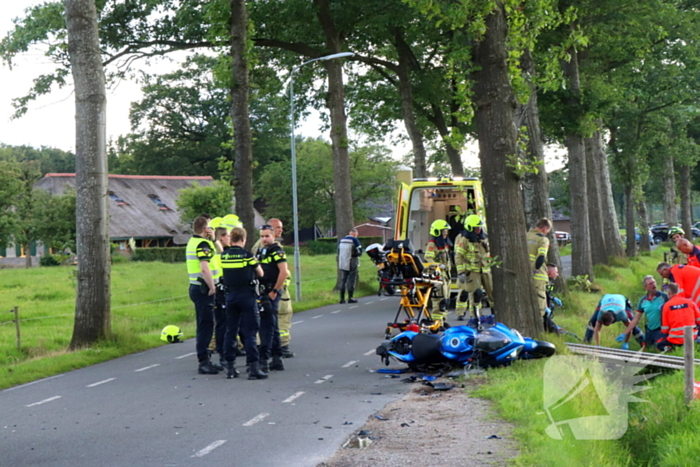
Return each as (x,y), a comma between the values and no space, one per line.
(51,260)
(166,255)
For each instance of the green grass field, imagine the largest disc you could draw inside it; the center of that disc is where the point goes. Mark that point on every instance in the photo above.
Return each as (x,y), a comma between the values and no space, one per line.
(145,298)
(661,432)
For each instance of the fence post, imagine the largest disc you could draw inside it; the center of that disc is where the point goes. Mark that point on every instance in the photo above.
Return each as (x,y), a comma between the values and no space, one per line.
(689,363)
(16,312)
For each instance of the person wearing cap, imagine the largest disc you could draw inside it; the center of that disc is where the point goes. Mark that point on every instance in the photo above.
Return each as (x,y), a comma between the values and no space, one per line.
(537,247)
(674,256)
(271,257)
(473,267)
(199,252)
(438,251)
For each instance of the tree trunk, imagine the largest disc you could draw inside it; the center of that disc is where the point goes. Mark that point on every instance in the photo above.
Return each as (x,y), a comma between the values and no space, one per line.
(28,256)
(536,185)
(611,228)
(686,200)
(643,226)
(453,154)
(495,103)
(669,178)
(243,144)
(344,218)
(92,305)
(595,204)
(581,262)
(631,249)
(407,112)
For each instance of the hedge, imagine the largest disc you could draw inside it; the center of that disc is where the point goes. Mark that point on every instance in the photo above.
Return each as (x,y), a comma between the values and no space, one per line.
(166,255)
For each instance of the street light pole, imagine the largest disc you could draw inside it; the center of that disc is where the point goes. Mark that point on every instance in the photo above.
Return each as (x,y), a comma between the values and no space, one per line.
(295,207)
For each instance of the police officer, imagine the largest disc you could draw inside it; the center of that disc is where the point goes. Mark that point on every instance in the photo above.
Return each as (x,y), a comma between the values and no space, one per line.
(199,252)
(284,317)
(240,271)
(221,242)
(438,251)
(473,265)
(537,247)
(274,264)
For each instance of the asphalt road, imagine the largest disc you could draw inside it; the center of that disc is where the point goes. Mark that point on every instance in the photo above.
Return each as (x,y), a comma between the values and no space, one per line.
(153,409)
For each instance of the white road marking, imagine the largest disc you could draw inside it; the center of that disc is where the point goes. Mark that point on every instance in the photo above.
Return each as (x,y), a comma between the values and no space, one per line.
(100,382)
(147,367)
(256,419)
(186,355)
(369,303)
(317,316)
(354,306)
(382,299)
(336,311)
(351,363)
(324,379)
(209,448)
(44,401)
(298,322)
(293,397)
(33,382)
(369,352)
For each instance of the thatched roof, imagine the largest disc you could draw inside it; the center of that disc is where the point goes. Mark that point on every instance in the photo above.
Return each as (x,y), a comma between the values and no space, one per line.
(141,206)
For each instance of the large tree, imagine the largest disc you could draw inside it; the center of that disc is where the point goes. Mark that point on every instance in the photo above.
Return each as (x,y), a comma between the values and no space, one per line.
(92,305)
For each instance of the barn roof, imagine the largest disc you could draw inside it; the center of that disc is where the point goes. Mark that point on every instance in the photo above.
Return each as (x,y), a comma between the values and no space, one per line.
(141,206)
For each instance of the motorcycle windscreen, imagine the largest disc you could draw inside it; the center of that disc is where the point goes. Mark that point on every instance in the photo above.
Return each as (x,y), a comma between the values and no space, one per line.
(490,340)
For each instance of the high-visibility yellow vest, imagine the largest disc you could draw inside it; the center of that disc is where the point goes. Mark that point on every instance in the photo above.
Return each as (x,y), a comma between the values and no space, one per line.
(193,258)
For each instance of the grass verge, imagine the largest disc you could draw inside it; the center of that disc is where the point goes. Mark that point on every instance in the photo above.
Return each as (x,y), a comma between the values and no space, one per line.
(145,298)
(660,432)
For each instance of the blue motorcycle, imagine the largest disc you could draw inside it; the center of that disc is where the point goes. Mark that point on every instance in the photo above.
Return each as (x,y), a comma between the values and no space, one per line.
(483,346)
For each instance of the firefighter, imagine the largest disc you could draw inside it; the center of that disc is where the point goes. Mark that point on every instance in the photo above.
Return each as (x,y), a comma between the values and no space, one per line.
(691,252)
(687,278)
(677,313)
(198,254)
(274,263)
(473,266)
(438,251)
(674,256)
(610,309)
(537,247)
(240,271)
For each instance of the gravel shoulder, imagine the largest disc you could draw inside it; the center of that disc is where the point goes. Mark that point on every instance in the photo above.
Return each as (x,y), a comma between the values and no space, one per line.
(429,427)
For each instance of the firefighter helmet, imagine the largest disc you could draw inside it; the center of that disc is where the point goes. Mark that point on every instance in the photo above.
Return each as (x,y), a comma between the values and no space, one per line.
(473,221)
(674,231)
(170,334)
(230,221)
(438,226)
(216,222)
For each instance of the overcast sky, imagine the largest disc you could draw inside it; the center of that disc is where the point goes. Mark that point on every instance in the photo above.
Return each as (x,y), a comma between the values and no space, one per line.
(50,119)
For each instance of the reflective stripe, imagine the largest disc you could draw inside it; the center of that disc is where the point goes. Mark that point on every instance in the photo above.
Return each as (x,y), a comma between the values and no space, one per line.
(284,333)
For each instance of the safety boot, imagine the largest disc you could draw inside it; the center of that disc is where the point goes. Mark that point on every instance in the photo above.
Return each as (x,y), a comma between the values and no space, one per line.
(286,353)
(342,297)
(206,368)
(350,299)
(255,373)
(264,365)
(277,364)
(219,366)
(231,371)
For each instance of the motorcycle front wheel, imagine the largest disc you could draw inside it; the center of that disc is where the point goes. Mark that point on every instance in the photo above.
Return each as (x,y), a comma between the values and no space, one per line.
(544,349)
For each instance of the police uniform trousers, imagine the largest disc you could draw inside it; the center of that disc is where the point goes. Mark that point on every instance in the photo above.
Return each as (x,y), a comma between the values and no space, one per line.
(242,317)
(270,344)
(284,317)
(217,343)
(204,314)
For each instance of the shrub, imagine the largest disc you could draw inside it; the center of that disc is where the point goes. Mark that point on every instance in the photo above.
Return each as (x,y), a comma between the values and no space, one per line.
(166,255)
(51,260)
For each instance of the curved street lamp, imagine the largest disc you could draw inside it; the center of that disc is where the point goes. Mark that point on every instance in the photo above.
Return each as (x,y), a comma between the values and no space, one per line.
(295,210)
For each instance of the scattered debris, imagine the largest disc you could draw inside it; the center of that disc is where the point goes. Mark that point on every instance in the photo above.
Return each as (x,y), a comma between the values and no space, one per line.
(347,423)
(405,424)
(441,386)
(379,417)
(364,433)
(493,437)
(394,371)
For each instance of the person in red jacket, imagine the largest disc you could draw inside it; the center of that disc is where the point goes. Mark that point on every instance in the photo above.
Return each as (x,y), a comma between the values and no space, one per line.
(687,278)
(677,313)
(686,247)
